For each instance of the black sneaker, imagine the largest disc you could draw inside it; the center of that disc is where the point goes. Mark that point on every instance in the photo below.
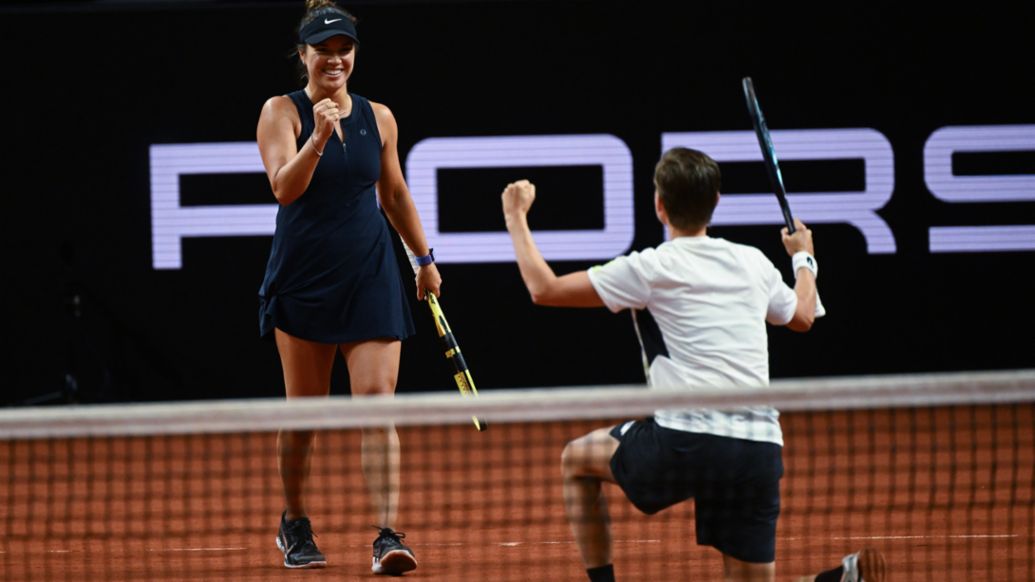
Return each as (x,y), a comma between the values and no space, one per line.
(390,555)
(295,539)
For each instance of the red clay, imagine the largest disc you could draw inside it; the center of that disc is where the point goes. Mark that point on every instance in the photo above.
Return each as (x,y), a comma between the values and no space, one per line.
(945,494)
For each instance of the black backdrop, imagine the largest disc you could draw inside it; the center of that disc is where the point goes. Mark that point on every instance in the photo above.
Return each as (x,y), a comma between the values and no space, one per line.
(91,86)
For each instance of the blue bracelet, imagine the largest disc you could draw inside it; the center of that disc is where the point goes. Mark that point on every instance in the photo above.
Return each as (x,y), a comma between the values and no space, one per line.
(426,259)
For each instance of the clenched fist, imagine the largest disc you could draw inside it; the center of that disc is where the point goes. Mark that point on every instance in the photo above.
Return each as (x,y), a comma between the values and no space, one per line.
(325,116)
(518,198)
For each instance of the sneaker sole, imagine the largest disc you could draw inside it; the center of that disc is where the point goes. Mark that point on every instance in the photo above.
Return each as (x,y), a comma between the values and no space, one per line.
(394,563)
(313,564)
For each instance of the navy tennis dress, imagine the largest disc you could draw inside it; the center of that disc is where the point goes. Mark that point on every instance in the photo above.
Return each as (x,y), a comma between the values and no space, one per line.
(332,275)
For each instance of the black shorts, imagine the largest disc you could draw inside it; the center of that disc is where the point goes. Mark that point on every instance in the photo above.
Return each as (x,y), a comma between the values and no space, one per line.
(735,484)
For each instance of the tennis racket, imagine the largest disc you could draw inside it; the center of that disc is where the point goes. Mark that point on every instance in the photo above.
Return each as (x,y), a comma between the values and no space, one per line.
(772,165)
(461,374)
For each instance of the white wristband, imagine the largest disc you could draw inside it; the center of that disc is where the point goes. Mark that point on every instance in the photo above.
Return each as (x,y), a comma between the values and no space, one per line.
(803,259)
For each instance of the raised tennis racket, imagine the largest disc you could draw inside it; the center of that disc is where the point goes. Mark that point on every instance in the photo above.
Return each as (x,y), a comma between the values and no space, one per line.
(461,375)
(772,165)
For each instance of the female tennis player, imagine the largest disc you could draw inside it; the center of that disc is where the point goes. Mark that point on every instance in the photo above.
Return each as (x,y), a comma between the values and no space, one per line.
(332,282)
(701,305)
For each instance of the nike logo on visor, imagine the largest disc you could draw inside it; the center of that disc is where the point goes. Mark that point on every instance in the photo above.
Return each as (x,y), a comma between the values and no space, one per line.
(325,21)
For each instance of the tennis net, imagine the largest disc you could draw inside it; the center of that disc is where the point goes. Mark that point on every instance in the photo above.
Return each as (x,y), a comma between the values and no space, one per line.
(937,471)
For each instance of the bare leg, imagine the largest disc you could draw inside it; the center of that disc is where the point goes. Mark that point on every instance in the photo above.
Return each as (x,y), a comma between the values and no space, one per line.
(374,369)
(585,464)
(293,451)
(734,570)
(307,372)
(380,461)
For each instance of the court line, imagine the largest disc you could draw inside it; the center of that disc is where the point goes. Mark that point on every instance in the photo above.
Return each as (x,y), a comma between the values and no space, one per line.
(911,537)
(515,544)
(569,542)
(927,537)
(838,538)
(229,549)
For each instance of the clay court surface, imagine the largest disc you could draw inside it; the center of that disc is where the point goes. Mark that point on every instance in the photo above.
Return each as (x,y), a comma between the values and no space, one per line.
(947,494)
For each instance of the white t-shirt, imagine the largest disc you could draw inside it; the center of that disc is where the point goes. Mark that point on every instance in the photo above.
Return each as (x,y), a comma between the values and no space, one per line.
(709,300)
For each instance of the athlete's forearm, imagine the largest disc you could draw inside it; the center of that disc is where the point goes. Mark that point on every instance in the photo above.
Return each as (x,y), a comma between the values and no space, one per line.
(805,289)
(536,273)
(293,178)
(402,214)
